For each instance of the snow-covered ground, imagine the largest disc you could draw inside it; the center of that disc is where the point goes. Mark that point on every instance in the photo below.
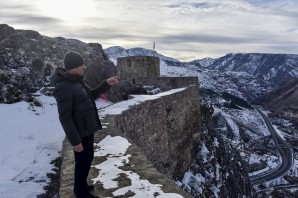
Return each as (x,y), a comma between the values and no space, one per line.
(31,137)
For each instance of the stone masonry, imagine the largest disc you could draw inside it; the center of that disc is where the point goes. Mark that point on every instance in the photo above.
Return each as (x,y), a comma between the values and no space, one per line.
(138,163)
(133,67)
(167,83)
(164,129)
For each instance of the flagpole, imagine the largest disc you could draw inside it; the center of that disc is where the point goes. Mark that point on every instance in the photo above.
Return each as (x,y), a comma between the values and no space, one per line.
(153,48)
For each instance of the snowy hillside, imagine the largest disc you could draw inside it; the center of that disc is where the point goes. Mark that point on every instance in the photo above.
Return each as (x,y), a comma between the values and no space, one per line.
(205,62)
(241,84)
(271,67)
(116,52)
(207,82)
(31,138)
(236,120)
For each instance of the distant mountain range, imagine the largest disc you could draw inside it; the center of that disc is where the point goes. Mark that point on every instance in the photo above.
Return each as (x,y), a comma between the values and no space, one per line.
(249,76)
(117,51)
(270,67)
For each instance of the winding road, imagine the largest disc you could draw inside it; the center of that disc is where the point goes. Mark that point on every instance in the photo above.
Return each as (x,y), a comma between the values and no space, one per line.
(286,156)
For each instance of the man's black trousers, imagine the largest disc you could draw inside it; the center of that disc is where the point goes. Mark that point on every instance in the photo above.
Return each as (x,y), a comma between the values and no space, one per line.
(83,162)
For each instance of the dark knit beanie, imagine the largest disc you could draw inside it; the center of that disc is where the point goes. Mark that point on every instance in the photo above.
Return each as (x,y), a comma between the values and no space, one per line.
(72,60)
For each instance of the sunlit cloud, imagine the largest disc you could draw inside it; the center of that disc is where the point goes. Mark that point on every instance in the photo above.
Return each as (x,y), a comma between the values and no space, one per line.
(187,29)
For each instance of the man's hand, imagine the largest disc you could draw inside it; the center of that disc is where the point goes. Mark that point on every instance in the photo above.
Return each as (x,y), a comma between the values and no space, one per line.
(113,80)
(78,148)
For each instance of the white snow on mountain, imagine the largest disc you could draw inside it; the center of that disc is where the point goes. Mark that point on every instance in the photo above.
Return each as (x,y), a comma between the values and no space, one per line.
(117,52)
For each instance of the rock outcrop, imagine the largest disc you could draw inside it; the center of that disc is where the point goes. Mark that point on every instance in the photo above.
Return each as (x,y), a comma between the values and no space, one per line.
(283,99)
(217,169)
(27,59)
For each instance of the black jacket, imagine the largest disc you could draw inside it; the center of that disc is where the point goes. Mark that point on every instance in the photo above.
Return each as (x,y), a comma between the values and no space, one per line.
(76,106)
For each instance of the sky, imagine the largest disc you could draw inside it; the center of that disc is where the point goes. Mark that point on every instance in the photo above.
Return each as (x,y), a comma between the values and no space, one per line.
(183,29)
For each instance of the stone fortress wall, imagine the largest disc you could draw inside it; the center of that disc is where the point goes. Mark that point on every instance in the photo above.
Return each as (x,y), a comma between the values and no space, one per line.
(167,83)
(162,132)
(133,67)
(165,128)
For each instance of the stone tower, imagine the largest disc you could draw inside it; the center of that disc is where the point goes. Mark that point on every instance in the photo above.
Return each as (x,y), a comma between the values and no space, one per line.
(134,67)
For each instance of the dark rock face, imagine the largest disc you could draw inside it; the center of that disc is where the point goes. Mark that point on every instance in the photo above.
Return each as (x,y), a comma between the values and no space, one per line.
(283,98)
(27,59)
(217,169)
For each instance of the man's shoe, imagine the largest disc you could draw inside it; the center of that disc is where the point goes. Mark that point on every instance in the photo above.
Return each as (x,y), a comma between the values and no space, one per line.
(90,189)
(89,195)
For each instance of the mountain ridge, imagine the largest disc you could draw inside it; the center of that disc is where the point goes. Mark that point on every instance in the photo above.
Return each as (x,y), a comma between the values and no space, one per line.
(249,76)
(265,66)
(270,67)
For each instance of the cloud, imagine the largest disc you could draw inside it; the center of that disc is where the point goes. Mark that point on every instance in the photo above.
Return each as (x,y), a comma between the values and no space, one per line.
(30,19)
(288,4)
(182,28)
(22,14)
(208,38)
(5,7)
(189,5)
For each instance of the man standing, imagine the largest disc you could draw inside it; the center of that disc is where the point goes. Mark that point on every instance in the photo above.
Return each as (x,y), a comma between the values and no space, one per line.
(78,115)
